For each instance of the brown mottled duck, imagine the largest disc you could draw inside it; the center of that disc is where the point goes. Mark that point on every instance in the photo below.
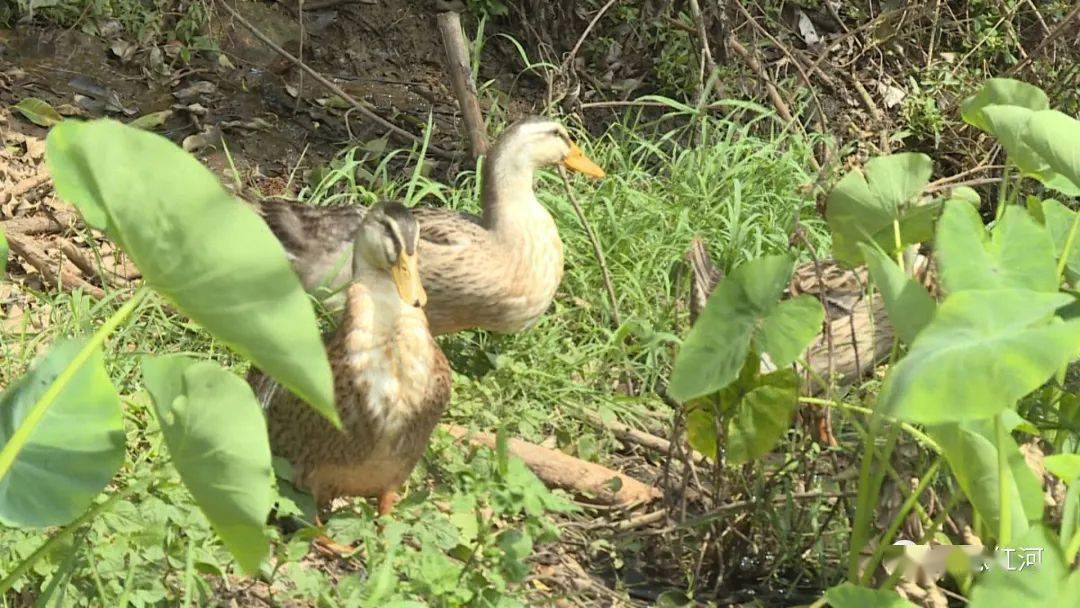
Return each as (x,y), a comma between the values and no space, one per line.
(498,271)
(391,381)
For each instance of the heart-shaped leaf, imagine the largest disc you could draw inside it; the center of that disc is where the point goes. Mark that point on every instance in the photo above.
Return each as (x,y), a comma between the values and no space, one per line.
(954,370)
(971,450)
(850,596)
(1046,581)
(1001,92)
(195,244)
(1058,221)
(1070,513)
(761,416)
(38,112)
(1065,467)
(216,435)
(1004,108)
(909,305)
(744,310)
(1018,253)
(1011,126)
(1056,138)
(73,452)
(864,205)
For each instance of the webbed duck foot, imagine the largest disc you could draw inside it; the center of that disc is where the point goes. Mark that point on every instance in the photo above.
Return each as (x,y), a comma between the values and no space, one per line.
(328,547)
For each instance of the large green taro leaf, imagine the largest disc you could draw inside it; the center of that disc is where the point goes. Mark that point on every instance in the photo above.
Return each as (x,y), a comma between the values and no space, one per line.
(743,312)
(1005,108)
(1001,92)
(1049,583)
(971,449)
(761,416)
(1017,253)
(194,243)
(983,351)
(864,205)
(73,452)
(850,596)
(1059,220)
(216,435)
(909,305)
(755,411)
(1056,138)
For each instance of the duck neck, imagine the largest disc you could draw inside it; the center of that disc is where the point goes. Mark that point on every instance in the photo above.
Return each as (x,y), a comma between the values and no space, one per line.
(372,301)
(510,204)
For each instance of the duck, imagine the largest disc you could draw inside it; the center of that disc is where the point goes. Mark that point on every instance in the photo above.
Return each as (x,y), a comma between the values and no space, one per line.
(498,271)
(391,380)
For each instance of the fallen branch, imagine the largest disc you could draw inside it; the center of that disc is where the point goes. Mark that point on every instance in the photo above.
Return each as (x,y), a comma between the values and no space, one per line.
(560,470)
(333,87)
(39,224)
(461,77)
(28,250)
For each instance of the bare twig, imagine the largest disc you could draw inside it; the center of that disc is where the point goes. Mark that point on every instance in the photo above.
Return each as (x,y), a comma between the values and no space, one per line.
(755,65)
(745,504)
(461,77)
(78,258)
(1058,30)
(703,39)
(774,93)
(581,40)
(597,251)
(333,87)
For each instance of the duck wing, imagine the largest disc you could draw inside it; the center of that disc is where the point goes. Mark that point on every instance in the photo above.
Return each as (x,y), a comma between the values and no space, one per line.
(318,240)
(448,227)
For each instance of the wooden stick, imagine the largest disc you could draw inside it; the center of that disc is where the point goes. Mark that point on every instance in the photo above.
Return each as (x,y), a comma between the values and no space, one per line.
(563,471)
(645,440)
(333,87)
(76,256)
(461,77)
(27,249)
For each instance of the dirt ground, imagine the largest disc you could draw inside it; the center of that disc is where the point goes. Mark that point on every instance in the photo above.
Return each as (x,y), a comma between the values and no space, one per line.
(270,115)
